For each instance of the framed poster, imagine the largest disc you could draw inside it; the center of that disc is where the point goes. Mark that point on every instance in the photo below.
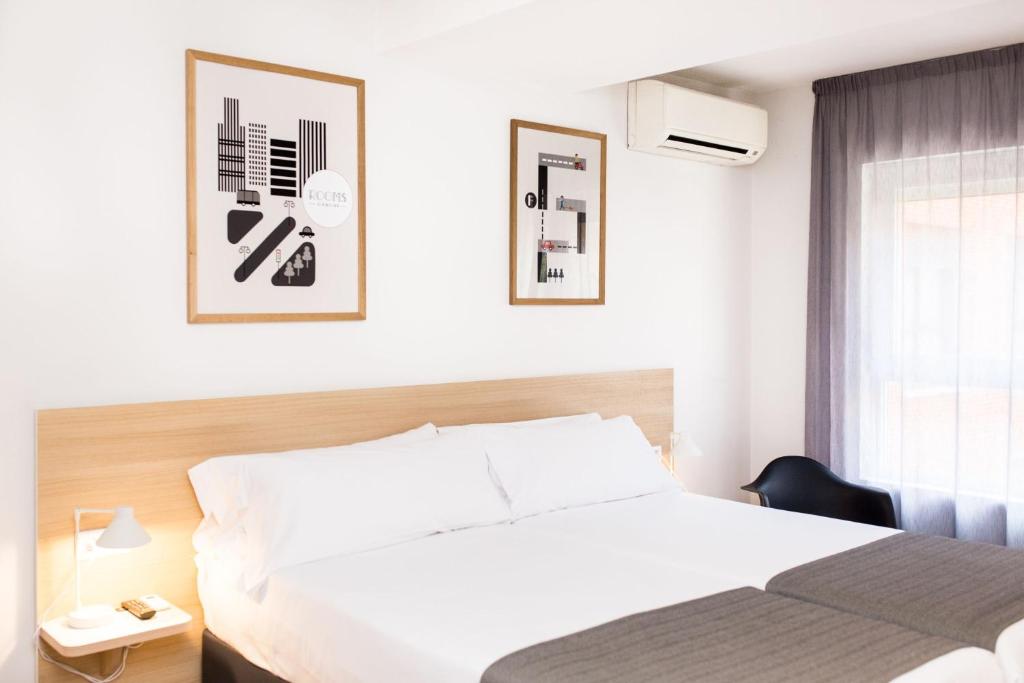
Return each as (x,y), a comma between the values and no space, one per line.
(276,192)
(556,215)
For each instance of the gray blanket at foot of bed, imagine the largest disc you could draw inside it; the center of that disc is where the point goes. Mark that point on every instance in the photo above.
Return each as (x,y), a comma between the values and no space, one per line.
(740,635)
(964,591)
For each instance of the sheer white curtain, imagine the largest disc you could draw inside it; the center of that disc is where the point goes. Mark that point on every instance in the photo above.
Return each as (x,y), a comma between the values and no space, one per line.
(923,345)
(938,409)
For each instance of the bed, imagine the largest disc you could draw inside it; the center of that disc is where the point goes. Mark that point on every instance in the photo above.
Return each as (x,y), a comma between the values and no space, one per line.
(524,553)
(443,609)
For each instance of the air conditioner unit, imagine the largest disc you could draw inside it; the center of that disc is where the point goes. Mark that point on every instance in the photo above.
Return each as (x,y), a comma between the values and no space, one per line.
(666,119)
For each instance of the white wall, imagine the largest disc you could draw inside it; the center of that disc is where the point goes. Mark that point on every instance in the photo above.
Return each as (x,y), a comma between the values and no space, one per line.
(779,207)
(92,284)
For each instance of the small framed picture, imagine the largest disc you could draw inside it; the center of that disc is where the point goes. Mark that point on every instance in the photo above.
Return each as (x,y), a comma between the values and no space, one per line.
(276,192)
(556,215)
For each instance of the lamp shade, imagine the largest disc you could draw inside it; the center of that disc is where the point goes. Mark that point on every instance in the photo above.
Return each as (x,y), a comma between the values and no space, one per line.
(123,531)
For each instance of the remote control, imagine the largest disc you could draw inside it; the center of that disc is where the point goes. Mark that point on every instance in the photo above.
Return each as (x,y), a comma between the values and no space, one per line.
(139,609)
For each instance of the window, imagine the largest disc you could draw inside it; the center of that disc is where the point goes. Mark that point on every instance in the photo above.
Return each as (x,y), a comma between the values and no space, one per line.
(937,404)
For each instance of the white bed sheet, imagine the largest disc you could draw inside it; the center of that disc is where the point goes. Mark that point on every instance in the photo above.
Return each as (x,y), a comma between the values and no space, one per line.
(442,609)
(748,543)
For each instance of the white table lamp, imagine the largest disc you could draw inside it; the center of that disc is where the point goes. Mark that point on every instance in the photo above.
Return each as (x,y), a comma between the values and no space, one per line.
(122,532)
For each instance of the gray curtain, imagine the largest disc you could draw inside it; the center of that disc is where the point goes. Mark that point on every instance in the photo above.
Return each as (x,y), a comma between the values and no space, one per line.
(915,313)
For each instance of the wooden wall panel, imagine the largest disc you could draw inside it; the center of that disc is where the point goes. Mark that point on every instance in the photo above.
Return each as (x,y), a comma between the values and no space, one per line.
(139,454)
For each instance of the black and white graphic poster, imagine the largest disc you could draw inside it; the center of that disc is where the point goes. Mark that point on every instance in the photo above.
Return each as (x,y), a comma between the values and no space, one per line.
(557,215)
(275,187)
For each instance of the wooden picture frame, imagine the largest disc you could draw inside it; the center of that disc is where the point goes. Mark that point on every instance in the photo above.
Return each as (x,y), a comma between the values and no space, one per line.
(313,153)
(529,254)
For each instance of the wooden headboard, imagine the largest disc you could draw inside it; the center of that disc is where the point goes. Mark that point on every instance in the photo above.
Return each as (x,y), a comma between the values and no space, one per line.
(138,455)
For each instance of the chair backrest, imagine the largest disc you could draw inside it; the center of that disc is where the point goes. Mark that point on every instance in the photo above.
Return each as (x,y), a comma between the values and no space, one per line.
(800,484)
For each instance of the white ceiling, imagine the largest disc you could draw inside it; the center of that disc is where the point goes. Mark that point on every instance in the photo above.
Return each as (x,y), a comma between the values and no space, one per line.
(404,22)
(991,24)
(764,44)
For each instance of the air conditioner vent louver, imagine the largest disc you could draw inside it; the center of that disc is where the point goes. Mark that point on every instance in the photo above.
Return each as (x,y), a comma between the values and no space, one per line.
(710,145)
(673,121)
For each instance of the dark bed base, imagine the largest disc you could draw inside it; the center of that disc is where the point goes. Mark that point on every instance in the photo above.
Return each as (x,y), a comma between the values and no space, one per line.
(223,664)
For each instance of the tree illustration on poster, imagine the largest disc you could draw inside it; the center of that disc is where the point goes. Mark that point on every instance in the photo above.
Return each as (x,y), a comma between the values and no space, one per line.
(266,157)
(556,215)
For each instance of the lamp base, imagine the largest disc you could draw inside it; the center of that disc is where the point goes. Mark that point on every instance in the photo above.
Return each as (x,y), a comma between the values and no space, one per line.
(91,616)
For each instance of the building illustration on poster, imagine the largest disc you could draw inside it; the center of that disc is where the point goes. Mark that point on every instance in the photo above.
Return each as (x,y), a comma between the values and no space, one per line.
(286,159)
(548,265)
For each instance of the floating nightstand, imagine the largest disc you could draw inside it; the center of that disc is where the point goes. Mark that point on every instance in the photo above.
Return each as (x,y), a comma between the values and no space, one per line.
(122,630)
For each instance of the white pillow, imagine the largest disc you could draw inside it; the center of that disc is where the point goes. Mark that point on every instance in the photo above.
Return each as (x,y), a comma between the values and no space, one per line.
(542,422)
(306,509)
(576,464)
(217,484)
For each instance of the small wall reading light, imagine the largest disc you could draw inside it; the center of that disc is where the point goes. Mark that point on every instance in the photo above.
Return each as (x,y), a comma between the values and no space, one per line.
(123,532)
(683,446)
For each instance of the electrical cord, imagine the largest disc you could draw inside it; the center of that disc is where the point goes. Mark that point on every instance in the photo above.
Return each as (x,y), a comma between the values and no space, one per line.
(113,675)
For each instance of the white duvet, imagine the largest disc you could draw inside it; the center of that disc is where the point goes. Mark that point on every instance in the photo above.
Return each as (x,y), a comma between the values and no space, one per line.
(441,609)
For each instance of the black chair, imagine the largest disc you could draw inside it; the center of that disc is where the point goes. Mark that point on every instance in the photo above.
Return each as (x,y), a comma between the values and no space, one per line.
(801,484)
